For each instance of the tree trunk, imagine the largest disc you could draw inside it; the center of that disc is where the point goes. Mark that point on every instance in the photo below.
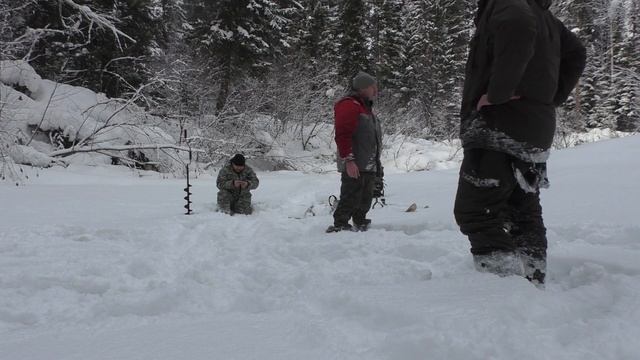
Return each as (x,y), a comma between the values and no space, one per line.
(576,92)
(225,84)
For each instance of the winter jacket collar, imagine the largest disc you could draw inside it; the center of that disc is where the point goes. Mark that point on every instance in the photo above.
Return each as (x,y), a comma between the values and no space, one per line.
(482,4)
(545,4)
(368,104)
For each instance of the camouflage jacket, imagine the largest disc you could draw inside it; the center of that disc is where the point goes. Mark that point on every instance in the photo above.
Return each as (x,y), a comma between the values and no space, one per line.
(226,176)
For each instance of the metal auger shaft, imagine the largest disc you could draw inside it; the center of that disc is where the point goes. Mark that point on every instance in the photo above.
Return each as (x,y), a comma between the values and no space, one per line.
(188,188)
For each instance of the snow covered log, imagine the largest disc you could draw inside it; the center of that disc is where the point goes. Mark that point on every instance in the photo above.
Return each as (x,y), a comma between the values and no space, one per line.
(26,155)
(45,117)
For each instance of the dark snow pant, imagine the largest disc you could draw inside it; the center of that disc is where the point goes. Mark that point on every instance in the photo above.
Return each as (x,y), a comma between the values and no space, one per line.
(356,196)
(235,202)
(494,211)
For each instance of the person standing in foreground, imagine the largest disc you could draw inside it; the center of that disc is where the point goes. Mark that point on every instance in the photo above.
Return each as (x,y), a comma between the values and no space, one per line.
(235,182)
(523,63)
(358,137)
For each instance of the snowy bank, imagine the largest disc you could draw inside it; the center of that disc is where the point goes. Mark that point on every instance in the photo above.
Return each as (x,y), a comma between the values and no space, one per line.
(42,117)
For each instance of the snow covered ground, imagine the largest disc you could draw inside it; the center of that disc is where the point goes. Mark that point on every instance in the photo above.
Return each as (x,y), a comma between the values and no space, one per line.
(100,263)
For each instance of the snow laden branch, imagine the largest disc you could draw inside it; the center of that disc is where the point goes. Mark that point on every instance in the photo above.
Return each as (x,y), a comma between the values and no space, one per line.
(100,148)
(102,21)
(106,124)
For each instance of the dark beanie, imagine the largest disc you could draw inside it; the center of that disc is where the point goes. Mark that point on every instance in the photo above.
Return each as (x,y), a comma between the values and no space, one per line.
(238,159)
(362,81)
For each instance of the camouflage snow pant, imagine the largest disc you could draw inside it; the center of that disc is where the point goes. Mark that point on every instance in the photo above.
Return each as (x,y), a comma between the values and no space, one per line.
(234,202)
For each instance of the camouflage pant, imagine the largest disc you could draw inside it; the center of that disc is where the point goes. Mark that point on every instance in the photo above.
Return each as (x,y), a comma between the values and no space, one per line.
(234,202)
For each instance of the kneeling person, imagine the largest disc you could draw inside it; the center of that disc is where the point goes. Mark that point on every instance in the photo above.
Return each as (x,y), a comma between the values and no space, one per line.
(235,182)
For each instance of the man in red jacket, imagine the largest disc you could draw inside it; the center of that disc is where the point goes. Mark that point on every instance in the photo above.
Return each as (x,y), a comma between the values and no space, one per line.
(359,141)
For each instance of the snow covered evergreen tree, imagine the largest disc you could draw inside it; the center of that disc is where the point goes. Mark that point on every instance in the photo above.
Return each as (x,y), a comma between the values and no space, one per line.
(388,47)
(625,80)
(417,48)
(14,37)
(437,40)
(239,37)
(173,22)
(89,44)
(352,39)
(600,25)
(315,31)
(177,70)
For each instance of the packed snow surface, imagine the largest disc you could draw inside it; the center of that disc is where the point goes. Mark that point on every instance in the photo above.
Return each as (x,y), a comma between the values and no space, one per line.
(100,263)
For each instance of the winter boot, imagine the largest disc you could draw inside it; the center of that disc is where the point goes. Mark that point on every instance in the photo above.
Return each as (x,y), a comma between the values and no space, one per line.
(364,226)
(225,210)
(535,269)
(499,263)
(338,228)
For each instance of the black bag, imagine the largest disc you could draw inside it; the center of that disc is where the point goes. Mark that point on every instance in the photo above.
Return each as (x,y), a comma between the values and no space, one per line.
(378,192)
(378,187)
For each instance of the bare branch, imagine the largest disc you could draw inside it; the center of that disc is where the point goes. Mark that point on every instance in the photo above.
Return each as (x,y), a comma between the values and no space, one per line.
(44,113)
(116,112)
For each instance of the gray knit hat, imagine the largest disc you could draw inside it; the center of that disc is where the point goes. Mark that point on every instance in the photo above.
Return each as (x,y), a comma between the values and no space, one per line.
(362,80)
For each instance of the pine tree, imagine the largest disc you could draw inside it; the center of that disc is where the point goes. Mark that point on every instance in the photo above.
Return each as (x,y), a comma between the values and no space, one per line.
(173,22)
(388,48)
(438,33)
(126,65)
(315,31)
(75,49)
(177,70)
(631,46)
(618,60)
(584,18)
(624,80)
(417,47)
(240,37)
(314,54)
(352,39)
(12,27)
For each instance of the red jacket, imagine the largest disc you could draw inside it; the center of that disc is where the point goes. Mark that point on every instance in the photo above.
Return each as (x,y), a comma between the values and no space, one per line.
(347,114)
(358,134)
